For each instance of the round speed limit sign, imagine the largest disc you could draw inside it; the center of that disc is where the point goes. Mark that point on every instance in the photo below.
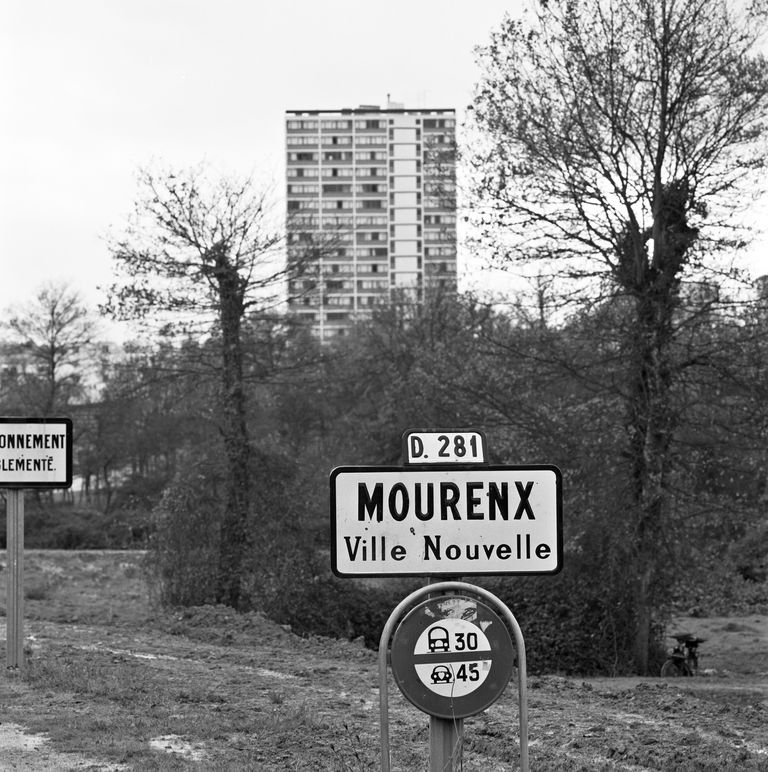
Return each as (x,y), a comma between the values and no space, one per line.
(452,656)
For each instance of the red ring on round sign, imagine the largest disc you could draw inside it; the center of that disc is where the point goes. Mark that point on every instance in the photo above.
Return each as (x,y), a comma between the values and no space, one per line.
(452,656)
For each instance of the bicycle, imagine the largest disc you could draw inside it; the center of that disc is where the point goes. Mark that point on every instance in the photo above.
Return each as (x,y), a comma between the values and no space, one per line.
(683,662)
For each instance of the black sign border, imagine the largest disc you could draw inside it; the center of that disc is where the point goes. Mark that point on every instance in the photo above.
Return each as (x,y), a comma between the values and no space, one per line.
(412,687)
(68,451)
(411,469)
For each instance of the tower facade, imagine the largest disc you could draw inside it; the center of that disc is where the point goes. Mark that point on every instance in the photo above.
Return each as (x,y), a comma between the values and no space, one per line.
(371,196)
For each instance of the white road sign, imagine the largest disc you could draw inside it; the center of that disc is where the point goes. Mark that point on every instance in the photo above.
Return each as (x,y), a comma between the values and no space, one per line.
(35,453)
(446,522)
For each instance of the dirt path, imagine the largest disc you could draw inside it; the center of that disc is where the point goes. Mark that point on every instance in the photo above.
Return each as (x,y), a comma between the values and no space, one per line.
(112,684)
(575,724)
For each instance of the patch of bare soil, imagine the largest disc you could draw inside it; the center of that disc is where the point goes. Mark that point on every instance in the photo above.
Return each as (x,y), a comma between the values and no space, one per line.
(20,750)
(112,683)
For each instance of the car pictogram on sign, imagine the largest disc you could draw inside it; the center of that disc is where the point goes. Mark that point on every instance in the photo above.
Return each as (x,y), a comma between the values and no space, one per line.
(441,674)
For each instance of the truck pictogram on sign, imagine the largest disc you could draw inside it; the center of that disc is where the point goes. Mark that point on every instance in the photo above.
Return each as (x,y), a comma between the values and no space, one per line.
(438,639)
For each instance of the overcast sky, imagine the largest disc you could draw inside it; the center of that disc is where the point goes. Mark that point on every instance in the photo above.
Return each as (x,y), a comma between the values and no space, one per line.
(92,89)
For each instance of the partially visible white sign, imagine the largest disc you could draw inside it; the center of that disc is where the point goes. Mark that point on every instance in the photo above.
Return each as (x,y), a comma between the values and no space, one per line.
(35,452)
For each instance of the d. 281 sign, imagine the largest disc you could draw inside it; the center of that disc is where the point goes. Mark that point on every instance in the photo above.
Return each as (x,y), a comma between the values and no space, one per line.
(433,446)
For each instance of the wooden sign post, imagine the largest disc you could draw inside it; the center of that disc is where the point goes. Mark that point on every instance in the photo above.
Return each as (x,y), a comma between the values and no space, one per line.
(34,453)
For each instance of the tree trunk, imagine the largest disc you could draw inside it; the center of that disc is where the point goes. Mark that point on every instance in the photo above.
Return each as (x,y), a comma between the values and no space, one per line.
(234,534)
(652,417)
(107,487)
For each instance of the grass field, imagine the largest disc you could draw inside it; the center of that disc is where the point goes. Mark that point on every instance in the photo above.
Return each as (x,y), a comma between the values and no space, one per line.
(113,683)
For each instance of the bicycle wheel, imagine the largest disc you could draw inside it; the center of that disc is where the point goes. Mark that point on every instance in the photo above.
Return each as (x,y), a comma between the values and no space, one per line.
(674,668)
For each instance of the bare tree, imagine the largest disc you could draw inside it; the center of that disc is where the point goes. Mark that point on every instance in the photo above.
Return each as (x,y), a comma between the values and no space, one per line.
(200,256)
(618,133)
(51,342)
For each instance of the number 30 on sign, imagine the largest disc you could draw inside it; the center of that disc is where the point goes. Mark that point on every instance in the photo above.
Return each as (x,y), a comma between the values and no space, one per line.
(433,446)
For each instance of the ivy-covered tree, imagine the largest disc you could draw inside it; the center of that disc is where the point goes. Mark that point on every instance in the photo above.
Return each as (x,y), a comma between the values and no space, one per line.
(615,136)
(199,257)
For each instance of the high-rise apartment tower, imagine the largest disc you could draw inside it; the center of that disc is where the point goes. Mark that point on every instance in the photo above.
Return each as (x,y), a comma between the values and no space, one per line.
(372,198)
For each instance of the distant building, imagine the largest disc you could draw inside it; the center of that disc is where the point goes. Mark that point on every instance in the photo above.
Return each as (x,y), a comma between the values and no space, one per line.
(371,195)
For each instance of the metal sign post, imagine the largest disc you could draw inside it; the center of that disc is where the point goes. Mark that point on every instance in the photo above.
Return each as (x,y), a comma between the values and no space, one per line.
(14,654)
(34,453)
(446,743)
